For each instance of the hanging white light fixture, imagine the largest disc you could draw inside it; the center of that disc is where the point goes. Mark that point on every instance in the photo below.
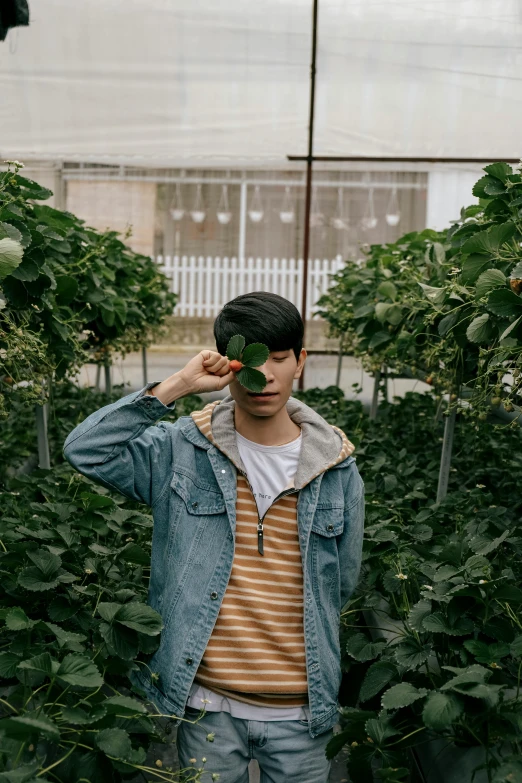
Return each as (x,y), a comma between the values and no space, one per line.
(369,220)
(316,216)
(287,214)
(177,210)
(256,211)
(340,220)
(393,213)
(198,212)
(224,215)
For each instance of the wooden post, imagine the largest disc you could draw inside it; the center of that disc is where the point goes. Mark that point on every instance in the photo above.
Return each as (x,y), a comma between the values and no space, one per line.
(339,361)
(98,376)
(144,363)
(108,383)
(374,407)
(445,459)
(309,163)
(44,458)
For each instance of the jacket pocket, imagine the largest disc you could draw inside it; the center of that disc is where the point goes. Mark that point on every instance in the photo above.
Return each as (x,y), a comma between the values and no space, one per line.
(198,512)
(328,521)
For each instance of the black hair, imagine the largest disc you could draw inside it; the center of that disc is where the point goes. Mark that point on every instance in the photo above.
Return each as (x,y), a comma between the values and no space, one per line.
(261,317)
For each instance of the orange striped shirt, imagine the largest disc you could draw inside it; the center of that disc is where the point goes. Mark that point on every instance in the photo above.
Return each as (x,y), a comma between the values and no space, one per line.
(256,653)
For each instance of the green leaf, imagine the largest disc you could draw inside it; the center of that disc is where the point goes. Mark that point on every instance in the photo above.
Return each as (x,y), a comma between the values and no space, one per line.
(480,329)
(380,729)
(490,241)
(253,380)
(437,623)
(499,170)
(40,663)
(448,322)
(31,189)
(412,653)
(9,663)
(235,347)
(28,270)
(79,671)
(45,561)
(417,614)
(11,254)
(115,743)
(10,231)
(439,252)
(80,717)
(387,289)
(377,677)
(17,620)
(488,280)
(255,355)
(360,648)
(22,727)
(505,303)
(482,546)
(381,310)
(132,553)
(379,338)
(435,295)
(121,641)
(141,618)
(508,593)
(108,610)
(66,289)
(124,706)
(510,328)
(472,266)
(441,710)
(402,695)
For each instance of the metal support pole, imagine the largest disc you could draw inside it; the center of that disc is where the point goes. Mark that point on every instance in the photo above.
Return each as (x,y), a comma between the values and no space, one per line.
(309,163)
(242,220)
(98,377)
(144,363)
(44,458)
(445,459)
(339,362)
(108,383)
(374,407)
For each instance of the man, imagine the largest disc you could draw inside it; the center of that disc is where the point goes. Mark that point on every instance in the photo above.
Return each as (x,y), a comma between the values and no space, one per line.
(258,521)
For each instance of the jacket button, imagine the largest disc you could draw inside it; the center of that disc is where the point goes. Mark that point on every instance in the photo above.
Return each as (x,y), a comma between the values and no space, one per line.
(330,527)
(189,661)
(213,595)
(194,505)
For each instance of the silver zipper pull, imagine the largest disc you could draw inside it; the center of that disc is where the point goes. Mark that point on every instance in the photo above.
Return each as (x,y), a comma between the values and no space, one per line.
(260,538)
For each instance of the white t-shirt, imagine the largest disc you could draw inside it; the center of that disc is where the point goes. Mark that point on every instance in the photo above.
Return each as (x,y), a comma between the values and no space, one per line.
(270,470)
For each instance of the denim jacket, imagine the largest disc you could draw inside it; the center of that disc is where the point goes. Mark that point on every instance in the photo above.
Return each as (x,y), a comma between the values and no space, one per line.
(190,484)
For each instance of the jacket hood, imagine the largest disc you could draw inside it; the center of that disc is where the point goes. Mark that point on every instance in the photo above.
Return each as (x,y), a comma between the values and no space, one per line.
(323,444)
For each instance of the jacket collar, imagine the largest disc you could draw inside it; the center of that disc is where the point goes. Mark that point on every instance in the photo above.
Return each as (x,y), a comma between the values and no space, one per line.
(323,445)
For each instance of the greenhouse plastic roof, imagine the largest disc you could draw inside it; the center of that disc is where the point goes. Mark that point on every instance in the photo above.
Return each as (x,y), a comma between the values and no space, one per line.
(200,82)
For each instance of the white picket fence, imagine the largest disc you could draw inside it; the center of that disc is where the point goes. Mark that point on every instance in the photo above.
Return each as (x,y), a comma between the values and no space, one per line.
(205,284)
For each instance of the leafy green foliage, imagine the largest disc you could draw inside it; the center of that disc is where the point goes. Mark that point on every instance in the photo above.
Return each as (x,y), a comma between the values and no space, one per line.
(254,355)
(74,622)
(448,305)
(438,604)
(69,293)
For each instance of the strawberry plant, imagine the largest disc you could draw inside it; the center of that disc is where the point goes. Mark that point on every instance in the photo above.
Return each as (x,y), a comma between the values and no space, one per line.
(432,639)
(75,294)
(244,360)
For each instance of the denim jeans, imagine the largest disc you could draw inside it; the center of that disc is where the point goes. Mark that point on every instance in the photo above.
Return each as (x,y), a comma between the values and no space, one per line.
(284,750)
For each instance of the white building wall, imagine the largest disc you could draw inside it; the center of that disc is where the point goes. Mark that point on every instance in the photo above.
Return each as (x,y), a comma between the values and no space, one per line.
(448,191)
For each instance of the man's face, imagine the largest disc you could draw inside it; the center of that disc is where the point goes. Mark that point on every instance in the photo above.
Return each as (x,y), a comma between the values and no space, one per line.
(280,369)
